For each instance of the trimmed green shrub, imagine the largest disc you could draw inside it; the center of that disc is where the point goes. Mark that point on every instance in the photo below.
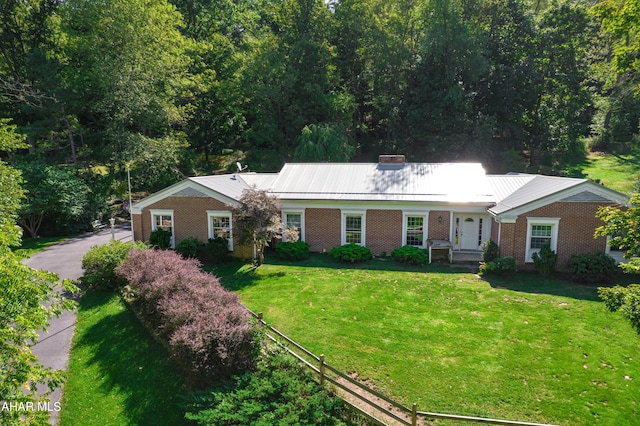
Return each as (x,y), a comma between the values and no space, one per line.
(490,251)
(625,299)
(279,391)
(545,261)
(287,250)
(410,254)
(592,267)
(189,247)
(500,266)
(160,238)
(351,253)
(100,264)
(218,249)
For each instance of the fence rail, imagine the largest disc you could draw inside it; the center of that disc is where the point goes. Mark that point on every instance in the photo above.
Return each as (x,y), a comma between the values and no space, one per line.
(409,417)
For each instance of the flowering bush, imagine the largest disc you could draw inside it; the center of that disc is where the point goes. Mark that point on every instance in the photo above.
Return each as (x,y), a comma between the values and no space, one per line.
(209,333)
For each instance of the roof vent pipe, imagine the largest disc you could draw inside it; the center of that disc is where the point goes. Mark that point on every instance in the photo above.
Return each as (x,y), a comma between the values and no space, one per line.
(391,159)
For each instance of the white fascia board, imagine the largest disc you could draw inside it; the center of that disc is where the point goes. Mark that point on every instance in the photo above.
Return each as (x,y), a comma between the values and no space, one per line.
(418,206)
(177,187)
(604,192)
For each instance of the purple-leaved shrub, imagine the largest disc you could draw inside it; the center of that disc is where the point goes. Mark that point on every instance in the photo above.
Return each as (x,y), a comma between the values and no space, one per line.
(209,333)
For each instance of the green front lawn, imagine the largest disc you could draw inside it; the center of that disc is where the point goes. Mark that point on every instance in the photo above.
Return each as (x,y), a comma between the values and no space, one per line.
(522,347)
(118,375)
(31,246)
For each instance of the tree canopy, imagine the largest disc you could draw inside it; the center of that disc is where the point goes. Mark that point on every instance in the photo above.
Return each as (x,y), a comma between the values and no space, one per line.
(27,301)
(170,88)
(256,220)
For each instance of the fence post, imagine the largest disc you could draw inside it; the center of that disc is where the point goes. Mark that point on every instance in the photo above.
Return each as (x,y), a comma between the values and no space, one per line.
(322,369)
(414,414)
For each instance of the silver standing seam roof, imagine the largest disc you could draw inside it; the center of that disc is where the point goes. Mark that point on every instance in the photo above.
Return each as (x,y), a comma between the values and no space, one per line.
(439,182)
(516,189)
(458,183)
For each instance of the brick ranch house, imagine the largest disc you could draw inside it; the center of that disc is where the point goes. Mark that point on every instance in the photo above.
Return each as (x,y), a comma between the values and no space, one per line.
(450,208)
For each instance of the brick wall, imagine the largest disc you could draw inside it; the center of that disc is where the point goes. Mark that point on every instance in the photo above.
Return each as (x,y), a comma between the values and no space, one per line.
(190,220)
(578,222)
(384,230)
(439,228)
(322,229)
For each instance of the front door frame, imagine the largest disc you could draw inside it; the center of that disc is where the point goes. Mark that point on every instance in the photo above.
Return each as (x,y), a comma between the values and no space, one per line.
(467,231)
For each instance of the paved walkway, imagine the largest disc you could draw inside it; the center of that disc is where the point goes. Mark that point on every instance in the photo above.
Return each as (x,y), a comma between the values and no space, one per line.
(65,259)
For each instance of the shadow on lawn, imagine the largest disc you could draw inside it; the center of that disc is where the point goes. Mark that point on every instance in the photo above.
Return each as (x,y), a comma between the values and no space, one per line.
(131,362)
(533,282)
(236,275)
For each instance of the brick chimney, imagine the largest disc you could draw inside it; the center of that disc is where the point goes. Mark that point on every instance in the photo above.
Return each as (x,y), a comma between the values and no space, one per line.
(391,159)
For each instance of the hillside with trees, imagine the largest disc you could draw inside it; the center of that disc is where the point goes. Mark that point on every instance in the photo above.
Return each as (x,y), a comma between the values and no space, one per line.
(173,88)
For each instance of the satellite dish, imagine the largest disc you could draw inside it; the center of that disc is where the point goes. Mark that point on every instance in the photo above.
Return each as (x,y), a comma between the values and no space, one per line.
(240,168)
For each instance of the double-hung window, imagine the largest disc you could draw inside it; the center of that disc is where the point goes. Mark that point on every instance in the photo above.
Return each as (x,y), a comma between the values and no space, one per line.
(293,221)
(353,228)
(414,230)
(220,225)
(540,232)
(163,219)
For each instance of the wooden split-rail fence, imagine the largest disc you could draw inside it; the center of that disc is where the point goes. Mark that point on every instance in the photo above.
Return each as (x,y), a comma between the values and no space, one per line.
(362,398)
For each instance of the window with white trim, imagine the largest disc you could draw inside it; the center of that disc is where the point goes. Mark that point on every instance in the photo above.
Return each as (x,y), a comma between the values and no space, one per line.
(293,220)
(163,219)
(353,228)
(540,232)
(414,231)
(221,225)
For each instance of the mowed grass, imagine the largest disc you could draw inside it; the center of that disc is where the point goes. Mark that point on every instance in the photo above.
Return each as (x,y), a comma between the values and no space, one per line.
(522,347)
(118,375)
(31,246)
(616,171)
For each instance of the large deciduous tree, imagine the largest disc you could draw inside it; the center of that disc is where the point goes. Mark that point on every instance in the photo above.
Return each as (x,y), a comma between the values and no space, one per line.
(621,18)
(257,220)
(291,79)
(53,191)
(127,73)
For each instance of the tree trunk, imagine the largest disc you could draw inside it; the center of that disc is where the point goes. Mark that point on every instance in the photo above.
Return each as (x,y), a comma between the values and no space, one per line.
(71,140)
(31,223)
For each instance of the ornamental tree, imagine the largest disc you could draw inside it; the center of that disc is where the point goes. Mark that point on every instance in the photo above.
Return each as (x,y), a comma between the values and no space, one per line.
(257,220)
(621,225)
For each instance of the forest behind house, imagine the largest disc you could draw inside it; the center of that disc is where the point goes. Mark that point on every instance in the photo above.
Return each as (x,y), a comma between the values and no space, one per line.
(168,89)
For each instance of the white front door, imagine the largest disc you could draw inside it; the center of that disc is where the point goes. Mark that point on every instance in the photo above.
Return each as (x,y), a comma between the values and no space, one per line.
(468,232)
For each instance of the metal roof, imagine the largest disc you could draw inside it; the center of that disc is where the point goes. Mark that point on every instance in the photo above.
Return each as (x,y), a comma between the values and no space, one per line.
(260,180)
(516,190)
(228,185)
(442,182)
(464,183)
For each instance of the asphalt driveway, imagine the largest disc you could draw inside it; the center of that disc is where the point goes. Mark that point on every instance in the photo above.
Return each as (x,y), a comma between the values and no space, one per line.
(65,259)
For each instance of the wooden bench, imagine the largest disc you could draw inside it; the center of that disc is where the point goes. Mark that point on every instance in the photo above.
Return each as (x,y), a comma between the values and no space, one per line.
(97,225)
